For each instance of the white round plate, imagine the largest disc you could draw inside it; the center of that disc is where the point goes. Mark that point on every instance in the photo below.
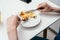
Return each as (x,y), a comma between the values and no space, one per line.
(32,22)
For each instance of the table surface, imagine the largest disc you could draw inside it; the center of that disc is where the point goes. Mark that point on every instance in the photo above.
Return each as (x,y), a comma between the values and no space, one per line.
(13,7)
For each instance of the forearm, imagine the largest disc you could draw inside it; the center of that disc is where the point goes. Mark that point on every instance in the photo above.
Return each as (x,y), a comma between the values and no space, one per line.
(56,10)
(12,34)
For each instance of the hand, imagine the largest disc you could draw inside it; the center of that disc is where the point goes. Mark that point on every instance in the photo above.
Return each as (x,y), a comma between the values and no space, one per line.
(13,22)
(44,7)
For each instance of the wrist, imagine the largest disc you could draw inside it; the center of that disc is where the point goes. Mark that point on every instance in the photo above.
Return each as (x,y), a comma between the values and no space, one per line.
(11,28)
(52,9)
(56,10)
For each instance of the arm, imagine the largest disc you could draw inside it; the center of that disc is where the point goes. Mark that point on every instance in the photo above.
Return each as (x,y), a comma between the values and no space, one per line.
(47,8)
(12,24)
(12,34)
(56,10)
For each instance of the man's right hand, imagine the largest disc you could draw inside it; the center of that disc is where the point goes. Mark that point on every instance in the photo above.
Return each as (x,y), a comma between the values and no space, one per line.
(13,22)
(45,6)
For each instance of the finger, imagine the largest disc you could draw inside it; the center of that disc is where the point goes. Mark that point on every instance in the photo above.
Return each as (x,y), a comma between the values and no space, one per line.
(42,5)
(19,20)
(42,10)
(16,17)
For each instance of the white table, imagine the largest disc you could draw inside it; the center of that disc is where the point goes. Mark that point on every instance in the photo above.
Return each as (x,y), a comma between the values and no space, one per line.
(10,7)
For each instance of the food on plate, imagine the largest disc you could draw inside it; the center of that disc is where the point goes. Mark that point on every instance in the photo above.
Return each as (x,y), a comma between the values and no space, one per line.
(25,16)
